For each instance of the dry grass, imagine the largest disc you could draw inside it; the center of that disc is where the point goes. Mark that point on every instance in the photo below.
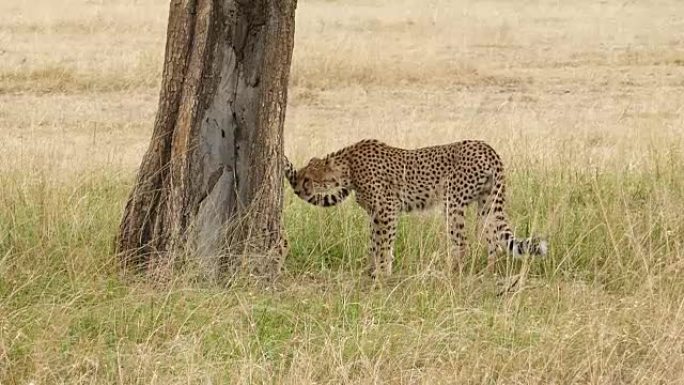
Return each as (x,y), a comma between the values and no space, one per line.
(583,100)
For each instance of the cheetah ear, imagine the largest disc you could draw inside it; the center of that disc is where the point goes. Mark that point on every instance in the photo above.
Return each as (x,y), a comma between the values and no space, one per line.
(329,163)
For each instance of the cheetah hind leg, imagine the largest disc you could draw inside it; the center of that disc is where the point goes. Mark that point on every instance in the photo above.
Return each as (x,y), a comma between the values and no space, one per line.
(383,233)
(487,228)
(456,216)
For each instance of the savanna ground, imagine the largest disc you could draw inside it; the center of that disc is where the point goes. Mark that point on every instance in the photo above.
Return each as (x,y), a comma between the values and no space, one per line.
(582,99)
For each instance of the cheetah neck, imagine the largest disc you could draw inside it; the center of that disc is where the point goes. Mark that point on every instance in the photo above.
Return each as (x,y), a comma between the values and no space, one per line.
(341,166)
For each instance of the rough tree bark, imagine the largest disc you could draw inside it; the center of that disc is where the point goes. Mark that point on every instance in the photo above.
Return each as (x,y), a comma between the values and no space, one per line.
(209,185)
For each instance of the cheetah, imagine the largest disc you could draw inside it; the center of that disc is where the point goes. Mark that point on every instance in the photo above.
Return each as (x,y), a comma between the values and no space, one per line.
(388,181)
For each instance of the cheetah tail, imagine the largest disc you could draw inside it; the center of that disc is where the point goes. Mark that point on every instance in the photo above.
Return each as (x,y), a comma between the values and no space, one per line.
(532,246)
(524,246)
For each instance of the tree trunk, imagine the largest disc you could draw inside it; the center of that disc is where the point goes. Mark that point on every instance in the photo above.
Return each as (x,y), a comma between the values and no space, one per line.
(210,184)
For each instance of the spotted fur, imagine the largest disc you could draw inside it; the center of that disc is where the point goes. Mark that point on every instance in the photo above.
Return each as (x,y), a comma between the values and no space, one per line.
(388,181)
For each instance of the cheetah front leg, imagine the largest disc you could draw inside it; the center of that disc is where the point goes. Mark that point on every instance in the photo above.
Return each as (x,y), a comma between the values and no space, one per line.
(383,234)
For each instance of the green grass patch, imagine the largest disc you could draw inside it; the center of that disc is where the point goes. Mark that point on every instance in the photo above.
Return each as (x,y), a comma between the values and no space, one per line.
(604,303)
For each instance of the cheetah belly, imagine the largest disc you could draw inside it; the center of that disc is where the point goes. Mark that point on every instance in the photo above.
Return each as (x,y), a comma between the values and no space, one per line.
(415,198)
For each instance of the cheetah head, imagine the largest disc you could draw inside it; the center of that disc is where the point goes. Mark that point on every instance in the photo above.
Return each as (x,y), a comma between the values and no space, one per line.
(319,176)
